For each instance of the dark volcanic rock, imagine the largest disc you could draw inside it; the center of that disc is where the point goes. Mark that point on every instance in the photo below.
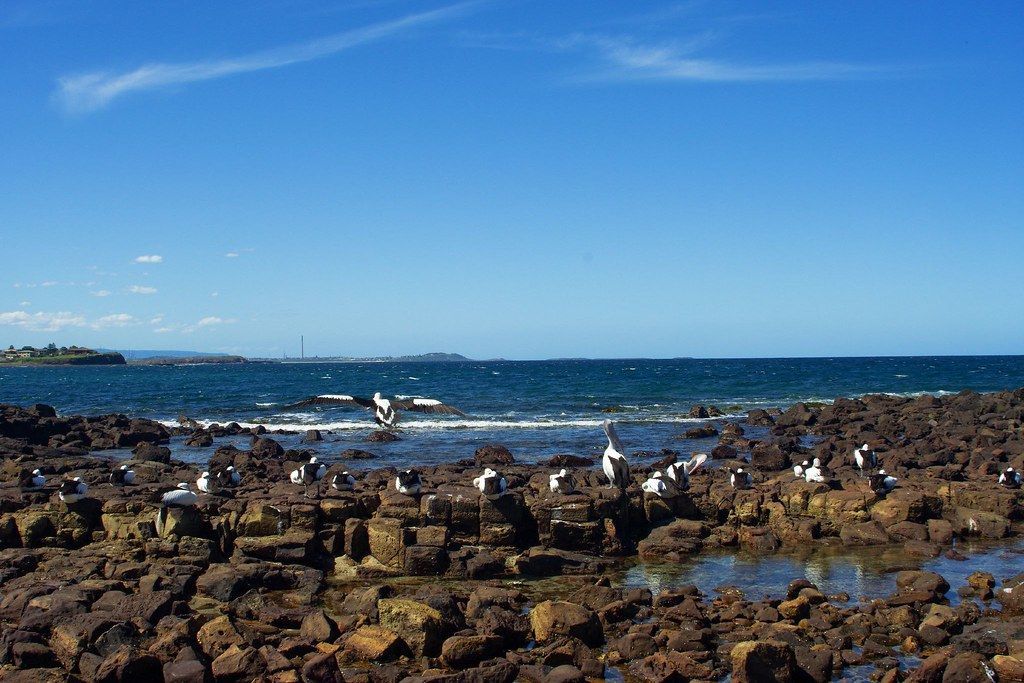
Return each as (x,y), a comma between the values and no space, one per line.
(493,454)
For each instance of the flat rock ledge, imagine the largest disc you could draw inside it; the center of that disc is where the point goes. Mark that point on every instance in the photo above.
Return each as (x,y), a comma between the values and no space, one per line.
(262,583)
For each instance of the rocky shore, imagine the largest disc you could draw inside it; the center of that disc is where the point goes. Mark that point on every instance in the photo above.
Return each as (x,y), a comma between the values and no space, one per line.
(262,583)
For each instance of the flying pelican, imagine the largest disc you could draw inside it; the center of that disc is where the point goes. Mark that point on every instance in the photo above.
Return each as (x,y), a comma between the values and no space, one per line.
(207,484)
(679,472)
(740,479)
(491,484)
(1010,478)
(408,482)
(882,483)
(72,490)
(661,486)
(561,482)
(798,470)
(343,481)
(815,473)
(308,474)
(865,457)
(122,476)
(614,461)
(385,411)
(179,497)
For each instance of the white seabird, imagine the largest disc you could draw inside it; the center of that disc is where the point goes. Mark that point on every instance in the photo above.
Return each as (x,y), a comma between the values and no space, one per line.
(385,411)
(1010,478)
(343,481)
(881,482)
(408,482)
(561,482)
(661,486)
(308,474)
(798,470)
(865,457)
(35,480)
(122,476)
(229,476)
(614,463)
(207,484)
(815,473)
(740,478)
(180,497)
(72,490)
(679,472)
(490,484)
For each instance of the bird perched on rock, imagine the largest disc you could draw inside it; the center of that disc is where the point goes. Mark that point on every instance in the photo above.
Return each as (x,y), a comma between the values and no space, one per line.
(864,457)
(308,474)
(660,485)
(740,479)
(229,476)
(385,411)
(122,476)
(408,482)
(343,481)
(72,490)
(679,472)
(181,496)
(816,473)
(490,484)
(34,480)
(614,463)
(207,484)
(1010,478)
(882,483)
(798,470)
(561,482)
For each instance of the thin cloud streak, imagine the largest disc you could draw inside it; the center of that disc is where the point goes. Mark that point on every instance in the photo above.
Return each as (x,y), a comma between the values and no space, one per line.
(628,60)
(88,92)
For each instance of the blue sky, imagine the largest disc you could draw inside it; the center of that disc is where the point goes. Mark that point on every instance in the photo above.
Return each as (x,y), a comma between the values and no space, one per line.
(513,178)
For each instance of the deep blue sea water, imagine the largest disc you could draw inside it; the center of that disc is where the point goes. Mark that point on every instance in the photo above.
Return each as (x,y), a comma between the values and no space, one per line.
(536,408)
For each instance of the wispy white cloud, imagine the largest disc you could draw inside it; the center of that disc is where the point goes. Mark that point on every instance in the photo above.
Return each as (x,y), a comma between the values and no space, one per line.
(114,320)
(42,322)
(91,91)
(49,283)
(630,59)
(141,289)
(211,320)
(231,254)
(149,258)
(101,292)
(25,304)
(202,323)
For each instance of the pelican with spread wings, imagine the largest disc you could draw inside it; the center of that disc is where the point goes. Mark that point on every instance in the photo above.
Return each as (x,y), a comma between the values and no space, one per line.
(385,411)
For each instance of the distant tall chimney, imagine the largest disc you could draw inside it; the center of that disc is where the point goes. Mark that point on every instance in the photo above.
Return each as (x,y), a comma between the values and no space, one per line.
(302,345)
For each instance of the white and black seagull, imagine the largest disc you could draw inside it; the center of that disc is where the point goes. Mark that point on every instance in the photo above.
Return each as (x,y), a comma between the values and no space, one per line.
(385,410)
(661,485)
(408,482)
(614,463)
(179,497)
(1010,478)
(881,483)
(228,476)
(72,490)
(122,476)
(740,478)
(343,481)
(308,474)
(490,484)
(35,480)
(561,482)
(679,472)
(865,458)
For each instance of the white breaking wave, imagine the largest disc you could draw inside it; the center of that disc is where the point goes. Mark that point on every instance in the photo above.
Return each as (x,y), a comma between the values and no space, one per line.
(266,405)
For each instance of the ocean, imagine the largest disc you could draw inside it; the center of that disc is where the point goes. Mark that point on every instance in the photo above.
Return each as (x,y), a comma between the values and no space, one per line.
(535,408)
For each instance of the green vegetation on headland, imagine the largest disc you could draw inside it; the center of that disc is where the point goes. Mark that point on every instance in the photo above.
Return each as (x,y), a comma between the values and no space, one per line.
(54,355)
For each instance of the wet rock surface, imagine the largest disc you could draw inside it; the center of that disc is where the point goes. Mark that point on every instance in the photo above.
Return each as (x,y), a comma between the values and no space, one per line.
(261,581)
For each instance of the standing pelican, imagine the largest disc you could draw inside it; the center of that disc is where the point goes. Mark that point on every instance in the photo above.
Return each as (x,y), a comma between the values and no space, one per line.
(385,411)
(561,482)
(679,472)
(865,457)
(122,476)
(614,461)
(491,484)
(179,497)
(408,482)
(308,474)
(740,479)
(1010,478)
(72,490)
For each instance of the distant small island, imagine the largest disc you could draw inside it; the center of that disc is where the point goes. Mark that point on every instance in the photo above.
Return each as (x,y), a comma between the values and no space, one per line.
(54,355)
(219,359)
(436,357)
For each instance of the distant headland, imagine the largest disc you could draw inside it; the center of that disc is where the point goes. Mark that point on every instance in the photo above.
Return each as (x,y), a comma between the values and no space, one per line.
(54,355)
(436,357)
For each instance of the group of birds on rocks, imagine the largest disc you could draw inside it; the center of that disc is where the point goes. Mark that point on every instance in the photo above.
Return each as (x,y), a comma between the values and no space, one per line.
(667,483)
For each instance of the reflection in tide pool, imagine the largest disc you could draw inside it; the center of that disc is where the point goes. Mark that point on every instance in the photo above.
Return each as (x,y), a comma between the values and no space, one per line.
(864,573)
